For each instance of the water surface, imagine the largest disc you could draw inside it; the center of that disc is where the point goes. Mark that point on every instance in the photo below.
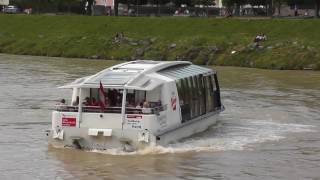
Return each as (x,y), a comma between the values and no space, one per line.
(270,129)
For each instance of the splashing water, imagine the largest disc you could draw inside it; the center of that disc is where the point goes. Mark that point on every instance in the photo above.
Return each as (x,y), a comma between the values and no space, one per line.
(227,137)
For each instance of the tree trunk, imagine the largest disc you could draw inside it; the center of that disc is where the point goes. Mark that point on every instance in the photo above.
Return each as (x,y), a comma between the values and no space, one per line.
(279,7)
(38,7)
(137,8)
(128,7)
(317,8)
(69,7)
(158,7)
(237,11)
(90,8)
(267,10)
(116,4)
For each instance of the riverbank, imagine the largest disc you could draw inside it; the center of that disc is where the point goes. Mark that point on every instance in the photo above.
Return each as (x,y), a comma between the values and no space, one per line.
(291,44)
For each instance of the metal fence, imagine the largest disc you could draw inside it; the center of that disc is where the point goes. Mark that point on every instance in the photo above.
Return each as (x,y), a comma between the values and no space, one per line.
(140,10)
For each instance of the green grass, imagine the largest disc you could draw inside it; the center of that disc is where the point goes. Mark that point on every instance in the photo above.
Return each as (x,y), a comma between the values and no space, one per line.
(291,44)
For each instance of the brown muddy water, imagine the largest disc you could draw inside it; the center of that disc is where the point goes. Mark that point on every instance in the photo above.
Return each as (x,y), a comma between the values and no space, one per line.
(270,129)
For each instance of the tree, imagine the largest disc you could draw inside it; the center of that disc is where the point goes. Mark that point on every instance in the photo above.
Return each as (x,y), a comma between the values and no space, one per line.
(230,4)
(89,7)
(314,3)
(317,8)
(205,3)
(278,4)
(268,4)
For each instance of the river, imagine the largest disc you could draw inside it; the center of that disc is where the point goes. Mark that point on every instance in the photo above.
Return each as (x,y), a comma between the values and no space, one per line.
(270,129)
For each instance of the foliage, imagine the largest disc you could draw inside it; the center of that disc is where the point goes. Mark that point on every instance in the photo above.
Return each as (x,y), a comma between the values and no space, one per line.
(203,2)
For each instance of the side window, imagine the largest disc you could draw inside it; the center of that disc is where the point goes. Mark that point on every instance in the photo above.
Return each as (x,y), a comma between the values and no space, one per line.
(180,91)
(196,96)
(214,87)
(211,83)
(187,92)
(216,94)
(184,99)
(191,98)
(209,93)
(202,95)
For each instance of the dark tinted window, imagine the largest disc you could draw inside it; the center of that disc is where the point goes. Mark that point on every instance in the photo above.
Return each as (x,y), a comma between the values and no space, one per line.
(198,95)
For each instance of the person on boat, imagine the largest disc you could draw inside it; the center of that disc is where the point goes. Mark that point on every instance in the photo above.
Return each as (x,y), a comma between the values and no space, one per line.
(62,102)
(158,104)
(146,107)
(139,106)
(87,101)
(107,102)
(118,101)
(130,103)
(181,102)
(93,102)
(61,105)
(146,104)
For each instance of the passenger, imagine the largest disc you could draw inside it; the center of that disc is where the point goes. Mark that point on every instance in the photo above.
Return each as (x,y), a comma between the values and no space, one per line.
(112,95)
(159,103)
(76,103)
(107,102)
(181,102)
(139,106)
(130,104)
(146,108)
(87,101)
(62,102)
(61,105)
(94,102)
(118,101)
(146,104)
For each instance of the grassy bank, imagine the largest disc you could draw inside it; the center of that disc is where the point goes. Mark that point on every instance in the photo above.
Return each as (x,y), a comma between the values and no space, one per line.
(291,44)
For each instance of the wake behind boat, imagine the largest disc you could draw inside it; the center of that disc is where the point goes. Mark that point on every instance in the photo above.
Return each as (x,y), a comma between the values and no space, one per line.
(137,104)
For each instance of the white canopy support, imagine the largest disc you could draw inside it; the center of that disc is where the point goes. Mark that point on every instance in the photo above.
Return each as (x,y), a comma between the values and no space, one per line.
(123,109)
(80,107)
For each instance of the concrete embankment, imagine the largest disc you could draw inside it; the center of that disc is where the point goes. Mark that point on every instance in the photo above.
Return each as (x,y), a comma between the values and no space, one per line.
(290,44)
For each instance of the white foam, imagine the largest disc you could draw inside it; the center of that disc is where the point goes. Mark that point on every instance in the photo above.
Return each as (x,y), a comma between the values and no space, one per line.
(235,138)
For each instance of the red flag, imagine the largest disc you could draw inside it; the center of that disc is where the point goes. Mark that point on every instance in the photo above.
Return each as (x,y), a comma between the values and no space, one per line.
(102,97)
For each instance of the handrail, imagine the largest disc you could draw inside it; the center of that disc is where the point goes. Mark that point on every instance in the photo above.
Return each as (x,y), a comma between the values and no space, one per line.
(98,109)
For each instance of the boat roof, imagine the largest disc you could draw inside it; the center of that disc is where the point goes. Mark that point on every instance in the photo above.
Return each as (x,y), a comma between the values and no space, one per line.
(140,75)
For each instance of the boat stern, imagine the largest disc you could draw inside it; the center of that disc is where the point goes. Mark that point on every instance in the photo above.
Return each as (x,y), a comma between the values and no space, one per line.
(99,131)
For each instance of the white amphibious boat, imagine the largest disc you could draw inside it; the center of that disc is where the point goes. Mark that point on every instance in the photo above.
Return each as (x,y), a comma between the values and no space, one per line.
(137,104)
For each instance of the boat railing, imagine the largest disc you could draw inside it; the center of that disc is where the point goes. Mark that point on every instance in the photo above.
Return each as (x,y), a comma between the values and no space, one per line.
(117,110)
(66,108)
(154,110)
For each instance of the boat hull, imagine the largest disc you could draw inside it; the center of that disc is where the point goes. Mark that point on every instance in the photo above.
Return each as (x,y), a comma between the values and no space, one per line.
(128,139)
(188,129)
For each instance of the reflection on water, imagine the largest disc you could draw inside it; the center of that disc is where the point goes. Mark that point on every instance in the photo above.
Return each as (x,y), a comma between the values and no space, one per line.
(270,129)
